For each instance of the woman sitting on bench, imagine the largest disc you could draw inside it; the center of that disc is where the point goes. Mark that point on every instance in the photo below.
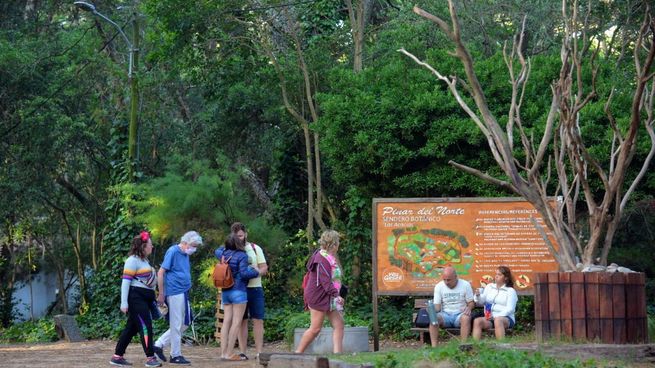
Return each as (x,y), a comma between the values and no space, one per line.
(499,301)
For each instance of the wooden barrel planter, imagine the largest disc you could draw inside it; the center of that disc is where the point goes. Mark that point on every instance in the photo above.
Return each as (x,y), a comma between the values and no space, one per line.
(591,306)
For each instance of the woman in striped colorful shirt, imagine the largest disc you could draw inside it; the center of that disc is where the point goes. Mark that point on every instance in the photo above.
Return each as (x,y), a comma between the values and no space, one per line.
(137,297)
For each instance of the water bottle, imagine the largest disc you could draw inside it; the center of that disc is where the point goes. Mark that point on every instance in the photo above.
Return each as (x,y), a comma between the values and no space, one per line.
(432,314)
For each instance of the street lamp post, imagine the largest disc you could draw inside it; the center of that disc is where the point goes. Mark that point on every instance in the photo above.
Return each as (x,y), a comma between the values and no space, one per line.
(131,73)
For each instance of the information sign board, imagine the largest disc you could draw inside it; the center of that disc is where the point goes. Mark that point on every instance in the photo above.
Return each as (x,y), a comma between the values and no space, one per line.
(414,239)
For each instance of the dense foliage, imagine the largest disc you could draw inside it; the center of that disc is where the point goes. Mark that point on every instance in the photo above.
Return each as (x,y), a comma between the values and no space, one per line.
(218,143)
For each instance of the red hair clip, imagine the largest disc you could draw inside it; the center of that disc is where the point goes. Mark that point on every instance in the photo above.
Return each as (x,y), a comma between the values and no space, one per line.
(145,236)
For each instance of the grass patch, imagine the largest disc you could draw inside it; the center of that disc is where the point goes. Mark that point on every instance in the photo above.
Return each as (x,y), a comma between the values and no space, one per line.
(451,355)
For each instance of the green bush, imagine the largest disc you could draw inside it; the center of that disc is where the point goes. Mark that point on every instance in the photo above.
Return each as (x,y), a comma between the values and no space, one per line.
(275,322)
(634,238)
(395,317)
(525,314)
(204,323)
(42,330)
(286,270)
(101,326)
(297,320)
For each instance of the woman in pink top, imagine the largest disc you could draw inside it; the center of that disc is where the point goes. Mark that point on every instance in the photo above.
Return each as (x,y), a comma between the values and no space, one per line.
(321,292)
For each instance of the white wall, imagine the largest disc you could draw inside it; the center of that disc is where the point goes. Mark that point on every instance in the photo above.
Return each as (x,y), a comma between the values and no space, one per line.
(44,293)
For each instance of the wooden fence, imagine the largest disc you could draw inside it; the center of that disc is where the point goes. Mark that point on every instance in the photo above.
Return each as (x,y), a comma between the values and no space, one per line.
(594,306)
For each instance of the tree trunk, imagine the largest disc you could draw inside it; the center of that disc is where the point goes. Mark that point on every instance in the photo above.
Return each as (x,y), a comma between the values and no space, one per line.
(313,162)
(357,24)
(29,276)
(61,275)
(8,251)
(80,266)
(310,187)
(94,261)
(132,151)
(318,214)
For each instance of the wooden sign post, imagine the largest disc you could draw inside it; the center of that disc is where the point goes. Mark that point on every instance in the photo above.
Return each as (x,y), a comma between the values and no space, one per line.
(414,239)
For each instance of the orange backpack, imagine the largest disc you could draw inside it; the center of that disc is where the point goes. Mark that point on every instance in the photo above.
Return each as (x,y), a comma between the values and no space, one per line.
(223,274)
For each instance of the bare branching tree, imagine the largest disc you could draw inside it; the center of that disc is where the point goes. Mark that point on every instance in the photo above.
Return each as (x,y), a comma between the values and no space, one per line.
(561,164)
(273,35)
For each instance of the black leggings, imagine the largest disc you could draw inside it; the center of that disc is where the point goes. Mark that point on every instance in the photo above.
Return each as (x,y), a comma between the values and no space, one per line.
(139,321)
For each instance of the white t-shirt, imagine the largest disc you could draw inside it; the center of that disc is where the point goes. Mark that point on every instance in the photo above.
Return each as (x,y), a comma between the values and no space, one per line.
(453,300)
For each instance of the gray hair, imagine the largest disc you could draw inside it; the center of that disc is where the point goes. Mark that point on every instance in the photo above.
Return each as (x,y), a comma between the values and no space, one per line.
(191,237)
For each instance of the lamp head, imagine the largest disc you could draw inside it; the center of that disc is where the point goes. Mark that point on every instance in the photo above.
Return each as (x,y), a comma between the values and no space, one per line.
(85,6)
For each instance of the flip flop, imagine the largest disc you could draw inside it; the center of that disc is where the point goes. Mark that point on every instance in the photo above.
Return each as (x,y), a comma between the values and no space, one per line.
(233,358)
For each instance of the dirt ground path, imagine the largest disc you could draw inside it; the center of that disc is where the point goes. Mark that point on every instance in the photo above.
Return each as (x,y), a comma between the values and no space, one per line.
(97,354)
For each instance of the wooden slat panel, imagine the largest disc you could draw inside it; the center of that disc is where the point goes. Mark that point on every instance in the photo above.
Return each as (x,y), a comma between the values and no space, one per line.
(642,311)
(554,305)
(219,317)
(637,324)
(593,305)
(578,306)
(541,316)
(565,303)
(618,309)
(605,307)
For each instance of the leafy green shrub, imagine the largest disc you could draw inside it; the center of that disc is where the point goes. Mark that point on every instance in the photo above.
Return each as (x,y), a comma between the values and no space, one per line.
(389,361)
(101,326)
(204,323)
(42,330)
(525,314)
(395,317)
(634,238)
(285,272)
(297,320)
(276,321)
(101,318)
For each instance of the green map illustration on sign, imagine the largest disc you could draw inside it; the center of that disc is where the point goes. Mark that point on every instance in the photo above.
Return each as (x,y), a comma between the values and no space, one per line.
(425,252)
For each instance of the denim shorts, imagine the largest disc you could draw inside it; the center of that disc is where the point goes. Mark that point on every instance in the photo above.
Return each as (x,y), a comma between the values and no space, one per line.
(234,297)
(511,322)
(255,309)
(450,319)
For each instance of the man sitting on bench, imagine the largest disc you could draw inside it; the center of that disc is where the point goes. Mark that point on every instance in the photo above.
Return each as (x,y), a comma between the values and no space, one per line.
(453,303)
